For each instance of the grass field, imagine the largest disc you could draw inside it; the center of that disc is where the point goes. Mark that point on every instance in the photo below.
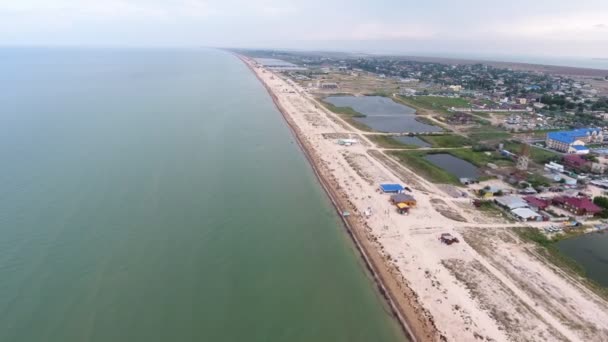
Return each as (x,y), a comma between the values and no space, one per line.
(387,141)
(481,159)
(538,155)
(436,141)
(447,140)
(349,115)
(481,134)
(436,103)
(342,110)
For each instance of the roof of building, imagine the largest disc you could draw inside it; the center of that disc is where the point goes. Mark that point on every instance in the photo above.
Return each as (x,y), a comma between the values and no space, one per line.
(537,202)
(580,148)
(574,160)
(391,187)
(583,203)
(525,213)
(492,189)
(398,198)
(511,202)
(569,137)
(402,206)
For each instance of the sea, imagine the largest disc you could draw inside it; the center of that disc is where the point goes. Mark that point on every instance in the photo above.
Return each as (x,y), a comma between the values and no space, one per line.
(157,195)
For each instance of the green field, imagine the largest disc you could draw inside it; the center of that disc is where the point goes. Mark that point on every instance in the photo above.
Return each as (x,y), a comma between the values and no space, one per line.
(435,103)
(348,114)
(436,141)
(447,140)
(387,141)
(481,159)
(538,155)
(487,134)
(342,110)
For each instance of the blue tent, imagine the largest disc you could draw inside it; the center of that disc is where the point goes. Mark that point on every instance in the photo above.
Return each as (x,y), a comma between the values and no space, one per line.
(391,188)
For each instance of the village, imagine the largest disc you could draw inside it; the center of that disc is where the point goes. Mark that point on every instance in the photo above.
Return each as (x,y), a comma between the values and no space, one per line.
(454,212)
(534,161)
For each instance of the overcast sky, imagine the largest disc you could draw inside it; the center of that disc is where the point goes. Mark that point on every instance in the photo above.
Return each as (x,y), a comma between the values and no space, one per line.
(469,27)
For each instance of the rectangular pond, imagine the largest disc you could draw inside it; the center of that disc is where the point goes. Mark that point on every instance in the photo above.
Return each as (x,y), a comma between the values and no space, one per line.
(590,251)
(456,166)
(383,114)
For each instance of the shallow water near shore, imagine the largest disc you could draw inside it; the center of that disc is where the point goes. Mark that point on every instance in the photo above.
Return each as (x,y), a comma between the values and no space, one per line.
(157,195)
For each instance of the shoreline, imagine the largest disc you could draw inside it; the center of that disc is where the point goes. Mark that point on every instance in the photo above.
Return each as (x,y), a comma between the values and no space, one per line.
(492,286)
(385,281)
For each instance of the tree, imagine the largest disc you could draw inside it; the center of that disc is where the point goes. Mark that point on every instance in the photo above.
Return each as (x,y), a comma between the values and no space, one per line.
(601,201)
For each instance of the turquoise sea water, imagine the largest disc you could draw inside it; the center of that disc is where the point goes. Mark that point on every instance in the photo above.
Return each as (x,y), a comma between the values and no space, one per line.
(157,195)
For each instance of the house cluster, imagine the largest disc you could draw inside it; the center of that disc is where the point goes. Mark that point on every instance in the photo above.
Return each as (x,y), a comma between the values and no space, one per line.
(519,208)
(574,141)
(403,202)
(532,208)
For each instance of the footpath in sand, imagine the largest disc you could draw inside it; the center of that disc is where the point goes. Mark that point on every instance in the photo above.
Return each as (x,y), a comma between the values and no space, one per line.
(489,287)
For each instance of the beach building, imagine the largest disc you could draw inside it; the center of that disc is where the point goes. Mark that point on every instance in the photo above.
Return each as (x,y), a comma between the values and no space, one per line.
(554,167)
(491,191)
(467,181)
(455,88)
(602,183)
(580,206)
(565,141)
(347,142)
(526,214)
(537,203)
(389,188)
(528,191)
(403,208)
(511,202)
(406,199)
(327,85)
(562,178)
(578,149)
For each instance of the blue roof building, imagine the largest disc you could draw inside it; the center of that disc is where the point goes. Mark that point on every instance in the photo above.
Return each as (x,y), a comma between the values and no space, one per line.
(392,188)
(574,141)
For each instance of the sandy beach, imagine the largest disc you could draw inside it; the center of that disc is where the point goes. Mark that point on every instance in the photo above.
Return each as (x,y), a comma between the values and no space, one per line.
(489,287)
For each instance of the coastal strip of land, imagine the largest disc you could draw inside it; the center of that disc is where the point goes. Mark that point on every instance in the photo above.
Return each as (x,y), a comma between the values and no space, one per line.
(491,286)
(416,324)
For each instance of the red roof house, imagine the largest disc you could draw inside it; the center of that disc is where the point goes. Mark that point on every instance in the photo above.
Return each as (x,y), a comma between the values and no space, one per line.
(577,205)
(538,203)
(575,161)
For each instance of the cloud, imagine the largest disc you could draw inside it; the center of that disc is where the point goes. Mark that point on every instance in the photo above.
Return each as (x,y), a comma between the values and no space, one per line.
(95,9)
(567,26)
(437,25)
